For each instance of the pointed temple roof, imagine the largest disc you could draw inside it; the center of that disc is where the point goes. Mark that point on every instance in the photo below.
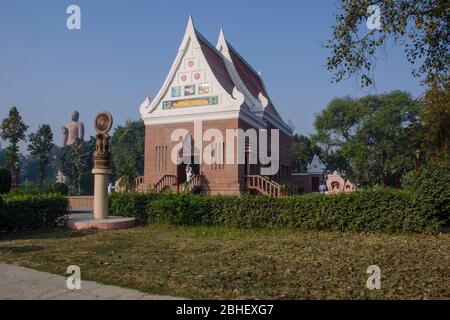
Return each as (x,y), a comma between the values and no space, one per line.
(238,79)
(316,165)
(250,77)
(215,61)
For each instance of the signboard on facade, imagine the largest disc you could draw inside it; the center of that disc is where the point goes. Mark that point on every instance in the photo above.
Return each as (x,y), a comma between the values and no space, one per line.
(206,101)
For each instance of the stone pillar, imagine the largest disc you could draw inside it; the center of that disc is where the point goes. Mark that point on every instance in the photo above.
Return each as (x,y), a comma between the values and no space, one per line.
(101,180)
(102,170)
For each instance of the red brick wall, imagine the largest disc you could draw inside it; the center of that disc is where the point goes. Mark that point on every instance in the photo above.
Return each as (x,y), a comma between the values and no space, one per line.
(225,179)
(218,179)
(304,182)
(284,174)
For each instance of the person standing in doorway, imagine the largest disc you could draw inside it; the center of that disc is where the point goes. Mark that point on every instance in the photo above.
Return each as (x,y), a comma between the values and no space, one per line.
(189,177)
(322,188)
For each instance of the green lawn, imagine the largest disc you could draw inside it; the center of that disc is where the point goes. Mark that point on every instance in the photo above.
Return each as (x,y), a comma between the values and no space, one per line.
(218,262)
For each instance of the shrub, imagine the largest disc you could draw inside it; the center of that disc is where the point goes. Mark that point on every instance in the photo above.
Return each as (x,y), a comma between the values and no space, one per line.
(32,211)
(432,185)
(60,187)
(5,180)
(29,190)
(180,208)
(57,187)
(372,211)
(388,211)
(131,204)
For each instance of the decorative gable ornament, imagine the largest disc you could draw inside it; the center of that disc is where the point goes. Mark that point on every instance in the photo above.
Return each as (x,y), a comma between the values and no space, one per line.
(238,97)
(144,108)
(263,100)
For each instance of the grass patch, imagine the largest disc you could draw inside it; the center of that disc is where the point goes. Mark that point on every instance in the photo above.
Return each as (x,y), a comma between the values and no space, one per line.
(222,262)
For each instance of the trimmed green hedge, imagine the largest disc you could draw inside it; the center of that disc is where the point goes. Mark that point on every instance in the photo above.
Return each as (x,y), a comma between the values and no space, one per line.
(57,187)
(432,185)
(132,204)
(20,212)
(386,211)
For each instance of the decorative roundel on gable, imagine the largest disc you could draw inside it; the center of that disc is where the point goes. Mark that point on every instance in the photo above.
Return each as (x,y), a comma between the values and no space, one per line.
(183,77)
(197,76)
(190,63)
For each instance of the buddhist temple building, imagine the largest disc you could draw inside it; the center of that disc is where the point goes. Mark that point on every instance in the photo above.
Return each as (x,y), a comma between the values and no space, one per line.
(208,91)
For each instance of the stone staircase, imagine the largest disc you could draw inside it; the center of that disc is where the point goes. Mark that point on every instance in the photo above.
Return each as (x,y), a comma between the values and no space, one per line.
(260,184)
(166,182)
(196,183)
(263,185)
(139,185)
(170,182)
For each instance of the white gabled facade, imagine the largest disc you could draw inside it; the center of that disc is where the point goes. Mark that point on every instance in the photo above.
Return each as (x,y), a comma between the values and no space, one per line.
(189,68)
(209,98)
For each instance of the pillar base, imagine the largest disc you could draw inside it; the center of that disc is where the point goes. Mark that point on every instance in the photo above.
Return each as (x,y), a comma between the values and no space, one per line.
(87,221)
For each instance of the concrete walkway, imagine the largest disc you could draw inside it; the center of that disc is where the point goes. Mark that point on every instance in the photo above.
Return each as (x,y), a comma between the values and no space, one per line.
(19,283)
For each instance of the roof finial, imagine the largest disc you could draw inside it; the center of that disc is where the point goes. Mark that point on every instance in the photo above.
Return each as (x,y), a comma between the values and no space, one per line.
(221,42)
(190,25)
(259,72)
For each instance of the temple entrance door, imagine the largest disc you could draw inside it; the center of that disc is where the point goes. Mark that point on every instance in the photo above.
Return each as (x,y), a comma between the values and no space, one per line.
(246,164)
(181,173)
(188,155)
(315,184)
(195,164)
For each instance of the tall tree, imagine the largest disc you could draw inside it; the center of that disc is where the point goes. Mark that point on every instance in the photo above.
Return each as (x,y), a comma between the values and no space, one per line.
(387,135)
(127,148)
(302,152)
(421,27)
(2,157)
(337,124)
(127,178)
(436,121)
(29,171)
(335,127)
(371,139)
(74,161)
(41,145)
(13,130)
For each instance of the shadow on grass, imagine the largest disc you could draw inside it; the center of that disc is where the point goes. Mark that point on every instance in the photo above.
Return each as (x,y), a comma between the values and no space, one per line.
(55,233)
(444,229)
(20,249)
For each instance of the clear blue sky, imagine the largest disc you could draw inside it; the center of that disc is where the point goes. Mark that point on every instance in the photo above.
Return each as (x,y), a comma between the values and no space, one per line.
(125,49)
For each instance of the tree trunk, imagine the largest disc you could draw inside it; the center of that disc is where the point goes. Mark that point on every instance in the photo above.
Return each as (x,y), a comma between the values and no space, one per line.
(79,184)
(41,174)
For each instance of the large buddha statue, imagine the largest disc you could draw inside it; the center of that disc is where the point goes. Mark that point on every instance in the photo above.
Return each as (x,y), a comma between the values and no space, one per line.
(73,130)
